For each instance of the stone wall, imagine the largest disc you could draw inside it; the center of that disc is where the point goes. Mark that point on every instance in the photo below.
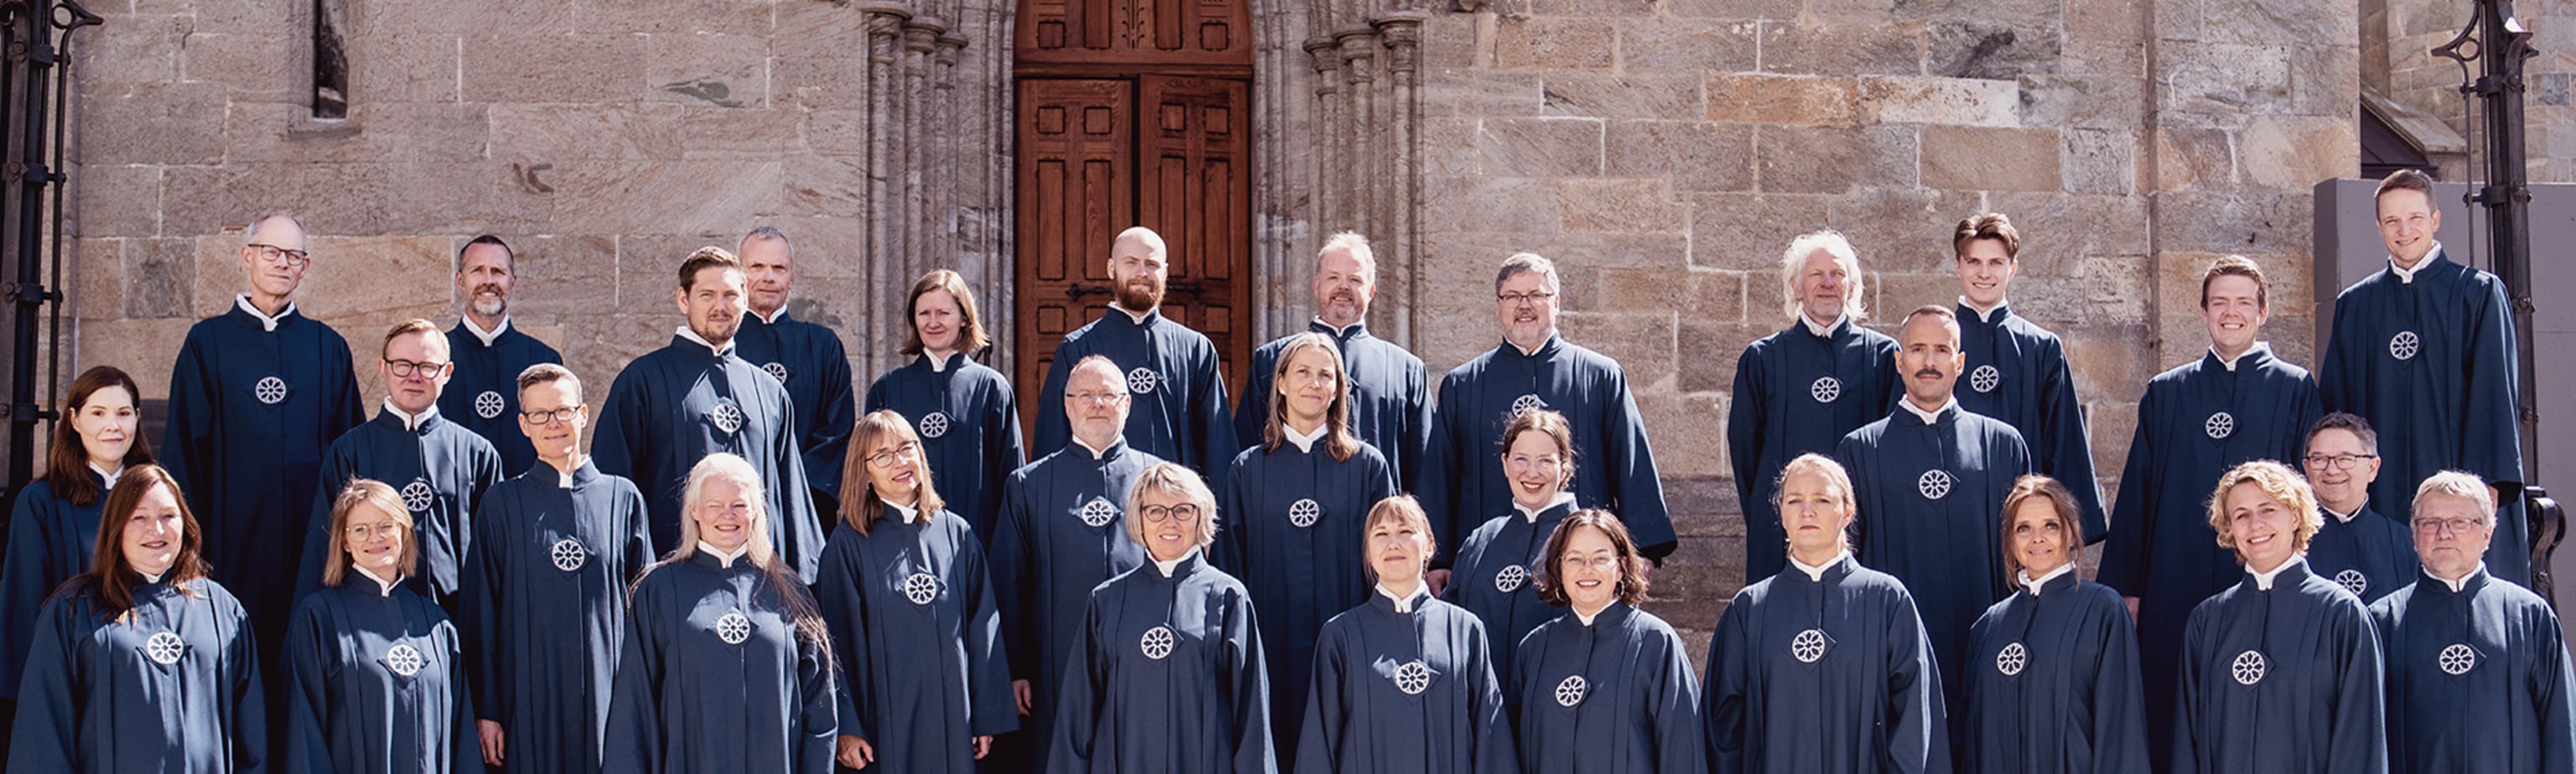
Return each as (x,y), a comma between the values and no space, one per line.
(2397,38)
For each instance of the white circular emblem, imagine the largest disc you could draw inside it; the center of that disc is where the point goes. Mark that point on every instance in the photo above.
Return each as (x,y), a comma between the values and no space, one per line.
(921,587)
(1934,484)
(1412,678)
(1985,378)
(164,648)
(1304,512)
(269,390)
(2458,659)
(568,555)
(1523,405)
(404,659)
(1511,578)
(1141,380)
(2353,581)
(775,371)
(1808,646)
(934,424)
(417,496)
(2012,659)
(1826,389)
(733,628)
(487,405)
(2248,668)
(2404,345)
(1570,691)
(2219,425)
(1157,643)
(1098,512)
(728,417)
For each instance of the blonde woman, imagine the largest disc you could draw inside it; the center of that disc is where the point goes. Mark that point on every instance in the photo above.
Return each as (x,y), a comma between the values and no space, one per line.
(1404,682)
(375,677)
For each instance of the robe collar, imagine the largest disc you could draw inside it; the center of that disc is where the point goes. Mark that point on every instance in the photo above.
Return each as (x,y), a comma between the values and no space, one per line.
(1409,602)
(1545,349)
(2457,586)
(1136,318)
(1176,567)
(410,422)
(692,337)
(1344,333)
(1564,500)
(152,577)
(1617,611)
(486,336)
(266,323)
(773,318)
(940,365)
(2345,518)
(1103,453)
(1826,330)
(384,588)
(2407,276)
(910,513)
(2002,310)
(723,560)
(2263,581)
(2041,583)
(1816,573)
(582,473)
(1934,416)
(2263,348)
(106,478)
(1304,442)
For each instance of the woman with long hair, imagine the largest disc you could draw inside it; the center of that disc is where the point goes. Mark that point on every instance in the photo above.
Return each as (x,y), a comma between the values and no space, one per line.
(375,674)
(1404,682)
(53,529)
(1606,688)
(962,409)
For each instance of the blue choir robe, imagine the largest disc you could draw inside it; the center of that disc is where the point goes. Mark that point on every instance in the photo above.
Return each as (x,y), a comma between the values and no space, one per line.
(1178,412)
(1824,674)
(1931,500)
(2477,679)
(1390,396)
(1410,690)
(1612,696)
(99,697)
(2195,422)
(50,540)
(1063,532)
(918,639)
(1166,678)
(714,677)
(440,469)
(2017,374)
(2053,684)
(2282,679)
(483,392)
(543,610)
(250,466)
(973,444)
(2367,554)
(2430,362)
(676,405)
(1614,466)
(1495,566)
(809,360)
(375,682)
(1295,521)
(1796,393)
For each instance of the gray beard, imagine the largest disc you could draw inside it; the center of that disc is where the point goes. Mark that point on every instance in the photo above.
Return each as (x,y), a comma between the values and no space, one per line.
(492,307)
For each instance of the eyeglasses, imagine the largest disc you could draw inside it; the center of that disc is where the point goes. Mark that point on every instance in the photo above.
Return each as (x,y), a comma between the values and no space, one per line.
(1517,463)
(1600,562)
(273,254)
(1532,297)
(2455,525)
(1095,397)
(405,368)
(2339,461)
(1156,514)
(545,417)
(362,533)
(887,459)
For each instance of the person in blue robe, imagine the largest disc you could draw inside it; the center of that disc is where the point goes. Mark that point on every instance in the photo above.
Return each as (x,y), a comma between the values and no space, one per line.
(1536,368)
(142,665)
(1403,682)
(440,468)
(926,684)
(2281,672)
(543,601)
(1823,668)
(1390,389)
(1171,370)
(805,356)
(2236,403)
(696,396)
(1296,506)
(1802,389)
(1492,575)
(973,443)
(727,665)
(2052,672)
(2367,553)
(53,528)
(375,673)
(1605,688)
(2016,371)
(1060,537)
(483,390)
(256,396)
(1167,674)
(2424,349)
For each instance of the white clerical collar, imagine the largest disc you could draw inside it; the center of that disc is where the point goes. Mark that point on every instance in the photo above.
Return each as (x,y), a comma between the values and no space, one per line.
(1985,314)
(1305,441)
(2263,580)
(938,362)
(722,557)
(910,511)
(411,421)
(2230,363)
(768,319)
(2406,275)
(1531,351)
(2340,517)
(1406,603)
(110,475)
(1096,453)
(151,577)
(2456,585)
(1132,314)
(1817,572)
(1339,331)
(1826,329)
(702,341)
(2034,584)
(384,588)
(1531,517)
(1929,417)
(1587,619)
(565,477)
(1165,565)
(266,322)
(487,336)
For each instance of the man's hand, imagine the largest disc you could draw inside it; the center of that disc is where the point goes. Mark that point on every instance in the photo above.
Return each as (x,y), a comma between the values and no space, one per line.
(1020,691)
(1438,580)
(491,733)
(855,752)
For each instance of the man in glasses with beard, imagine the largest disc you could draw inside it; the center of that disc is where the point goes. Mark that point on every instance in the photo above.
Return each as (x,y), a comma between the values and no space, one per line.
(483,395)
(1171,371)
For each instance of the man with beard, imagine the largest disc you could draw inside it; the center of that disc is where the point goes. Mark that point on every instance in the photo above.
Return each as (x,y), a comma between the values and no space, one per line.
(2016,370)
(482,395)
(1171,371)
(695,397)
(1390,391)
(805,356)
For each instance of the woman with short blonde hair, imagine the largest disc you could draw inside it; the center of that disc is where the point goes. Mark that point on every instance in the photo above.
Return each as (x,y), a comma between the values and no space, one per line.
(375,671)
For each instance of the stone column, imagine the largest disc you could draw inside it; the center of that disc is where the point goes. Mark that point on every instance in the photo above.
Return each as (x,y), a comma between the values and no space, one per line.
(1396,246)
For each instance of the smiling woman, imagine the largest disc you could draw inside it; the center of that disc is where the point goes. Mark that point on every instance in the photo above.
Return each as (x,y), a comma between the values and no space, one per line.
(375,672)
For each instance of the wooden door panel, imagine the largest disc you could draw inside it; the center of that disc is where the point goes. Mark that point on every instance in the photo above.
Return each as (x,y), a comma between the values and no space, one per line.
(1193,149)
(1076,161)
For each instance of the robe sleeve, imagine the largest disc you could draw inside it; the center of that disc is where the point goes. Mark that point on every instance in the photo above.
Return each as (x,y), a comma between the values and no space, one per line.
(2552,683)
(2335,369)
(350,410)
(1247,678)
(621,438)
(838,416)
(632,740)
(638,548)
(240,676)
(1216,430)
(1918,736)
(1444,465)
(988,669)
(478,620)
(1744,426)
(311,648)
(1077,708)
(1014,577)
(1003,452)
(1640,493)
(45,736)
(1416,434)
(2491,442)
(2065,452)
(2188,684)
(1053,428)
(2357,740)
(1495,752)
(1679,745)
(188,448)
(335,475)
(2119,703)
(1849,455)
(1319,744)
(844,609)
(816,696)
(2124,555)
(466,756)
(1229,550)
(23,584)
(1252,413)
(1723,703)
(803,547)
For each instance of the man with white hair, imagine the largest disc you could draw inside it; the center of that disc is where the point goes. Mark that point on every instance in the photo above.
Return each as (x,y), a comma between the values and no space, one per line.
(1177,395)
(804,355)
(1390,390)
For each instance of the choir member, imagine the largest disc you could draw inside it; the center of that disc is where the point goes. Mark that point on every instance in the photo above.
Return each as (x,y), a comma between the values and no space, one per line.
(962,409)
(805,356)
(53,530)
(1298,503)
(440,468)
(2477,675)
(1802,389)
(2235,403)
(1605,687)
(2052,678)
(490,353)
(2367,553)
(1492,576)
(1404,682)
(1535,368)
(1823,668)
(1171,370)
(1167,672)
(1390,390)
(727,666)
(903,587)
(2279,673)
(2424,349)
(543,606)
(142,664)
(2016,371)
(696,396)
(375,679)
